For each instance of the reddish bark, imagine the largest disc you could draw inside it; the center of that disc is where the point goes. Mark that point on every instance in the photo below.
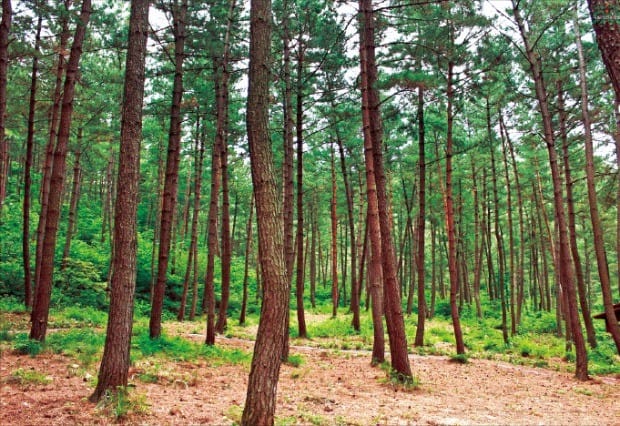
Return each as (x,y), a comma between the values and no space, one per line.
(179,14)
(114,367)
(43,292)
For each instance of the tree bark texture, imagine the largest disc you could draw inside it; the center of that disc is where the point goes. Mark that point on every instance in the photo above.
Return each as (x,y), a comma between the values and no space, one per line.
(43,291)
(114,367)
(28,166)
(606,22)
(262,385)
(393,310)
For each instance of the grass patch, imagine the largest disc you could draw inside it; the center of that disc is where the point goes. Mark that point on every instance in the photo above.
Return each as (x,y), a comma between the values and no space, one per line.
(121,403)
(28,377)
(294,360)
(84,344)
(78,316)
(459,358)
(25,346)
(234,413)
(179,349)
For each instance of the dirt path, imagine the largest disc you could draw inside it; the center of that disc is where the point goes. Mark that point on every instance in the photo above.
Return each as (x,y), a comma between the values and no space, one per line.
(328,388)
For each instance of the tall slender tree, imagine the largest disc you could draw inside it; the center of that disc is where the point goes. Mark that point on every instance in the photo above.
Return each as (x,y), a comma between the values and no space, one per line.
(43,292)
(373,145)
(421,224)
(114,368)
(262,385)
(5,29)
(565,270)
(179,17)
(28,164)
(599,246)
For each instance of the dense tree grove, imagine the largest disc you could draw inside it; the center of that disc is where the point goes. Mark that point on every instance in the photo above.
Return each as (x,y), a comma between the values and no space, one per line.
(413,158)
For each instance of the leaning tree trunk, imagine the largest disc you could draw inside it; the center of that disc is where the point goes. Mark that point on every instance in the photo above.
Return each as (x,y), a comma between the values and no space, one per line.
(564,261)
(5,29)
(114,367)
(393,310)
(43,292)
(597,229)
(572,226)
(262,385)
(28,166)
(52,135)
(179,14)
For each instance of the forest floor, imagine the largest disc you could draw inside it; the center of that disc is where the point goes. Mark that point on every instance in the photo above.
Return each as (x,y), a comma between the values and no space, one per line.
(328,387)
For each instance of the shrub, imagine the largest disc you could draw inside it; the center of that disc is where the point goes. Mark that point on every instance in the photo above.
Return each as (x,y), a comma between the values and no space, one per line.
(26,346)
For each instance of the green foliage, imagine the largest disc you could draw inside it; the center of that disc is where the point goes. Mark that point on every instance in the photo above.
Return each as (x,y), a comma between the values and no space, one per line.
(79,284)
(12,304)
(77,316)
(121,403)
(459,358)
(84,344)
(26,346)
(180,349)
(295,360)
(538,323)
(234,413)
(24,377)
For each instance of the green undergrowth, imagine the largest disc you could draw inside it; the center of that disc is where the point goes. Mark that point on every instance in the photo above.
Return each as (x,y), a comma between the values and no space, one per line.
(79,332)
(27,377)
(122,403)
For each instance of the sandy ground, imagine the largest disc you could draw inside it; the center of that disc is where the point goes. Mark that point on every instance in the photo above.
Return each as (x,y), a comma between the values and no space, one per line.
(329,387)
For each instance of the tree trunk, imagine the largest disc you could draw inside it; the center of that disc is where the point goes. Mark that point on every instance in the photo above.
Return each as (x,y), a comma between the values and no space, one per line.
(191,260)
(299,278)
(28,165)
(221,132)
(572,226)
(565,270)
(599,244)
(314,229)
(114,367)
(334,239)
(450,227)
(372,121)
(355,301)
(52,135)
(43,292)
(248,251)
(511,240)
(521,262)
(73,204)
(179,14)
(208,301)
(606,22)
(419,334)
(5,29)
(262,385)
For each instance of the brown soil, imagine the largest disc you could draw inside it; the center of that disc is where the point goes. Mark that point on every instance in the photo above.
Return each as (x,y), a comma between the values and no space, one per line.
(330,387)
